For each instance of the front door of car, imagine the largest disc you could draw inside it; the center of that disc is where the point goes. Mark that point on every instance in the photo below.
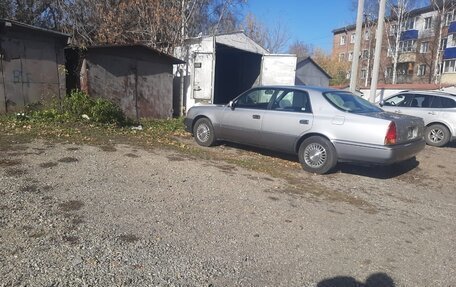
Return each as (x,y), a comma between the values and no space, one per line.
(289,117)
(242,122)
(398,103)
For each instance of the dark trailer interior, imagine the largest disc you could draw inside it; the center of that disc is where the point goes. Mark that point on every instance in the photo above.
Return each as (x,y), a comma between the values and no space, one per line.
(235,72)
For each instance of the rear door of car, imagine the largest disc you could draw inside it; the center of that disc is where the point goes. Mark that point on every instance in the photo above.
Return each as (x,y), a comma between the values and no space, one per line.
(289,117)
(243,122)
(443,110)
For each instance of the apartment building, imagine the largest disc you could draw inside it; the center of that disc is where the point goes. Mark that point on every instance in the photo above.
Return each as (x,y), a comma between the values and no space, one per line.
(412,43)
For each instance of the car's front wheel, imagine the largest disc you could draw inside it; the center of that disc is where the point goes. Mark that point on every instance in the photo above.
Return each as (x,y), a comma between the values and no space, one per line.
(317,155)
(437,135)
(203,131)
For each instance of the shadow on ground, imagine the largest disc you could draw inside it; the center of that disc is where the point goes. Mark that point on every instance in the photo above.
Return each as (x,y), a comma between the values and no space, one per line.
(374,171)
(374,280)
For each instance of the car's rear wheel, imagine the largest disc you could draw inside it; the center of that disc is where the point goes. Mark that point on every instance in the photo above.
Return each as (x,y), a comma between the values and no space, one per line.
(317,155)
(204,132)
(437,135)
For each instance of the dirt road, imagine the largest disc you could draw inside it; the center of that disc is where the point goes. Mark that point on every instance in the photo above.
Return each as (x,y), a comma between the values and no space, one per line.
(123,216)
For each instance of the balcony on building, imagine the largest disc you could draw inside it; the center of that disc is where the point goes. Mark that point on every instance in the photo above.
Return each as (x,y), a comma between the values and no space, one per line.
(408,46)
(450,50)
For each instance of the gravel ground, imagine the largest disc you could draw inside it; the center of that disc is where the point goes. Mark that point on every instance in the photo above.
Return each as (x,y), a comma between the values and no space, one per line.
(123,216)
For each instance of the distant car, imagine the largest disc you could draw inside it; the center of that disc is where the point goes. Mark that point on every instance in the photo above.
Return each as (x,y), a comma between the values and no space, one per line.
(438,110)
(322,126)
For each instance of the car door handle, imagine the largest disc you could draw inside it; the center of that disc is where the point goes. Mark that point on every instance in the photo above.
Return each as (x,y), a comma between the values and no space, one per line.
(304,122)
(397,112)
(256,117)
(431,113)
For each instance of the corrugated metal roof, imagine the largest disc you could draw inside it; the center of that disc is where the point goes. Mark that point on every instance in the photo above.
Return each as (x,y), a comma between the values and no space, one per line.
(11,23)
(237,39)
(138,46)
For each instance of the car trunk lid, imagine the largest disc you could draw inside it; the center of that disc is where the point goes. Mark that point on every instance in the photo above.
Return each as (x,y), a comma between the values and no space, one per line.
(408,128)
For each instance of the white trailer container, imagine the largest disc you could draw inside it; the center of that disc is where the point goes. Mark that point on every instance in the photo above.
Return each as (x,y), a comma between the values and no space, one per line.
(219,68)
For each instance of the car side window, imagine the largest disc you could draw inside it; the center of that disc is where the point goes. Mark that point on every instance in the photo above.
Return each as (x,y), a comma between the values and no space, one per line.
(293,101)
(256,99)
(441,102)
(419,101)
(401,100)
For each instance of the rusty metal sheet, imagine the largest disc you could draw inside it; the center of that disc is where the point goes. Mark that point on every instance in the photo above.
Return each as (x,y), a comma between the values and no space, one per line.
(30,72)
(142,88)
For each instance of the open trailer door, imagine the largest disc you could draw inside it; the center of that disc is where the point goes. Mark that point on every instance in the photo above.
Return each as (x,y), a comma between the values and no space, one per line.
(278,70)
(203,70)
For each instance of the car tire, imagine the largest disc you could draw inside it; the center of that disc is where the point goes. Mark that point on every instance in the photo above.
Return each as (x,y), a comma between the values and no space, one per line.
(203,131)
(317,155)
(437,135)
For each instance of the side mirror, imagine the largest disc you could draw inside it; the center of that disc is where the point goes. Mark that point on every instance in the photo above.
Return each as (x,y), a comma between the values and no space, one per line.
(381,103)
(231,105)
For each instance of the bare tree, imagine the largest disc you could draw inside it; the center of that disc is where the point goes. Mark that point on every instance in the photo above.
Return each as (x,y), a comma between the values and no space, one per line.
(274,39)
(396,24)
(300,49)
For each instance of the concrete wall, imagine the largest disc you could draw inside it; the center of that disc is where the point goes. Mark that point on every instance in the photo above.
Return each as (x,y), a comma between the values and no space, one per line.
(142,84)
(32,68)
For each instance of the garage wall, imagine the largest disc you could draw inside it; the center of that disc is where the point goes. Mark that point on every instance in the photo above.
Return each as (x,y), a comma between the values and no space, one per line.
(32,69)
(142,85)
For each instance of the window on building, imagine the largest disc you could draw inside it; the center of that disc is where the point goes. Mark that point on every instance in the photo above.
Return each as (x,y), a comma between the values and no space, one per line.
(393,29)
(451,40)
(365,54)
(352,38)
(342,39)
(350,56)
(449,18)
(405,68)
(439,68)
(366,35)
(341,57)
(407,46)
(448,66)
(389,72)
(424,47)
(409,24)
(421,70)
(363,73)
(443,43)
(390,51)
(427,22)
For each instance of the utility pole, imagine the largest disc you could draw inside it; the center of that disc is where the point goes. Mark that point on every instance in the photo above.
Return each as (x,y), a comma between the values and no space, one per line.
(378,49)
(357,49)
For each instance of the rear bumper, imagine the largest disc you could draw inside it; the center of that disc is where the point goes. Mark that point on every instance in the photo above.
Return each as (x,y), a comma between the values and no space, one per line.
(383,155)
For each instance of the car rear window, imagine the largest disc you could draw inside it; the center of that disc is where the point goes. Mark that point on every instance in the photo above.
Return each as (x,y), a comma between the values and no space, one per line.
(348,102)
(441,102)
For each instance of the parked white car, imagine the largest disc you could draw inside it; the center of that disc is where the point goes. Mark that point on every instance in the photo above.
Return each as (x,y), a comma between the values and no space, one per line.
(437,109)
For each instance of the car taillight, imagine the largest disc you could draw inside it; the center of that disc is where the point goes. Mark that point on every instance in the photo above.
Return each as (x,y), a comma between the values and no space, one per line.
(390,137)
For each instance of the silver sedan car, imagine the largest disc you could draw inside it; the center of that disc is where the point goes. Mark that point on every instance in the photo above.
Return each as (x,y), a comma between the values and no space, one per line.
(322,126)
(438,110)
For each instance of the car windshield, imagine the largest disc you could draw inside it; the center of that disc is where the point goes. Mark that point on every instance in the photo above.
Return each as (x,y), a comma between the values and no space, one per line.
(348,102)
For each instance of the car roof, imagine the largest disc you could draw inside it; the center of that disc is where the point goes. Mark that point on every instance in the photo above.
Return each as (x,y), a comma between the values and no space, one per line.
(301,87)
(431,93)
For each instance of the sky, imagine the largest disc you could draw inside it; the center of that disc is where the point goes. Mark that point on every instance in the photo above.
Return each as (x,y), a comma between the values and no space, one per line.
(310,21)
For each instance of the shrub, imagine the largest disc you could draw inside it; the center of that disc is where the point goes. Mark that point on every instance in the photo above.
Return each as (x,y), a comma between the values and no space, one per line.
(77,103)
(106,112)
(73,107)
